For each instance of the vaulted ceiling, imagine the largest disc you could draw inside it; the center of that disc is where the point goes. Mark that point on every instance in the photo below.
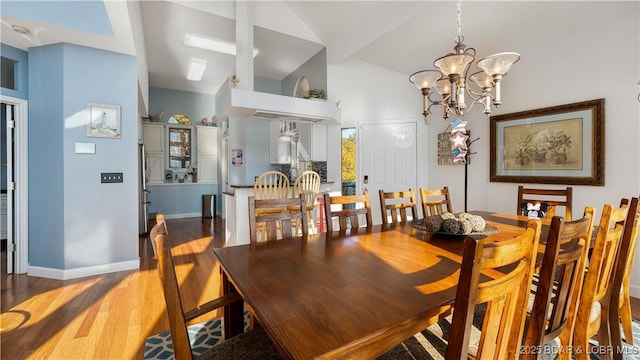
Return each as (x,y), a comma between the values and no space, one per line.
(403,36)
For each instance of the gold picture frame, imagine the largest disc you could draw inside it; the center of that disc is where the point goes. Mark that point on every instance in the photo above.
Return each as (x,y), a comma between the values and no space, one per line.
(555,145)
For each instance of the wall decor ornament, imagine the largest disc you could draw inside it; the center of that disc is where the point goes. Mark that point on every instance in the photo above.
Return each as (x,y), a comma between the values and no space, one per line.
(103,121)
(555,145)
(459,140)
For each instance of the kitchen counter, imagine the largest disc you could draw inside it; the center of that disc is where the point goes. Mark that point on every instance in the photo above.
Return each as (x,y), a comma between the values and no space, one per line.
(237,212)
(327,183)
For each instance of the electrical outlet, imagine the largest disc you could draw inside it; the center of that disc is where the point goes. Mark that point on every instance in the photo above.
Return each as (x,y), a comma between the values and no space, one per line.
(111,177)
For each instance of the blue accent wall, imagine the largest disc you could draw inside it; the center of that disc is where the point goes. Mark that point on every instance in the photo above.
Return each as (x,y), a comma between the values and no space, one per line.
(179,199)
(46,158)
(75,221)
(22,79)
(194,105)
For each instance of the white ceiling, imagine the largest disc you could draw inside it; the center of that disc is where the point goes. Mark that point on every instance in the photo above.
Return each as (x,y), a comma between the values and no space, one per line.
(403,36)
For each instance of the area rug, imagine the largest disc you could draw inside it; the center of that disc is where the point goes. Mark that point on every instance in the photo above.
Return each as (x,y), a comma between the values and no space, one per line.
(202,336)
(429,345)
(424,345)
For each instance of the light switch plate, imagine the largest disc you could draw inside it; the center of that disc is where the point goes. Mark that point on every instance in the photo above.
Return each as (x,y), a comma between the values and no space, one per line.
(111,177)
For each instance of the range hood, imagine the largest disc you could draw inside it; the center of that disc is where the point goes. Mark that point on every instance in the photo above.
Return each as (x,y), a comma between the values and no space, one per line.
(252,104)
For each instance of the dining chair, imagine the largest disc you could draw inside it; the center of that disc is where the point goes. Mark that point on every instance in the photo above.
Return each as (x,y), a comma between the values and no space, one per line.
(254,341)
(551,197)
(271,185)
(592,315)
(308,183)
(352,206)
(278,218)
(489,311)
(437,206)
(620,306)
(558,286)
(397,203)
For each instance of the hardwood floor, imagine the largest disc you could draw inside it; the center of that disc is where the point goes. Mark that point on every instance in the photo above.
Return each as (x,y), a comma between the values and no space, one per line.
(110,316)
(107,316)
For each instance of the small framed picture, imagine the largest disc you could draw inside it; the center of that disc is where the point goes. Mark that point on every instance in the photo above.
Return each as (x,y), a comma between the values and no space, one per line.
(237,157)
(104,121)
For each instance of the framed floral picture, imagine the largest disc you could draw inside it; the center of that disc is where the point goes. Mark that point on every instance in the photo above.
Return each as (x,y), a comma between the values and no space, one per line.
(555,145)
(104,121)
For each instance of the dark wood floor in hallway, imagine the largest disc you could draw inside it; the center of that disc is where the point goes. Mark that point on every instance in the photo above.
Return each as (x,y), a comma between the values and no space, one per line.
(107,316)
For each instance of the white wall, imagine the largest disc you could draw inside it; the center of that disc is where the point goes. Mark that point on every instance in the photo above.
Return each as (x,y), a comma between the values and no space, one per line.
(372,94)
(559,66)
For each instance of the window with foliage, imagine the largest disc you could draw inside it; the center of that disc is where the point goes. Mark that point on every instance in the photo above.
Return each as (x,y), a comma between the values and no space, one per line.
(349,154)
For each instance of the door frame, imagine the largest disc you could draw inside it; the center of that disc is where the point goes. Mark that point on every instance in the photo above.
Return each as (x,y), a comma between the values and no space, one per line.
(21,193)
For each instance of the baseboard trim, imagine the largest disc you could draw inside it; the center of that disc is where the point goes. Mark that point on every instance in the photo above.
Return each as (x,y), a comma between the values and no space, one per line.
(68,274)
(182,216)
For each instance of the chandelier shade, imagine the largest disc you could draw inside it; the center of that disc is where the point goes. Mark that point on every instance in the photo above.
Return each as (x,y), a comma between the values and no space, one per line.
(425,79)
(452,83)
(453,64)
(443,87)
(482,79)
(498,64)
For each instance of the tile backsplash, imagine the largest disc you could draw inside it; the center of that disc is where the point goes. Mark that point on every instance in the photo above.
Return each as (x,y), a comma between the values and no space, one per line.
(318,166)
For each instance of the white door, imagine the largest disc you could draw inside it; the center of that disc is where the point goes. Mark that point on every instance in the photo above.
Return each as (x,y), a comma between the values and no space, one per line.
(387,160)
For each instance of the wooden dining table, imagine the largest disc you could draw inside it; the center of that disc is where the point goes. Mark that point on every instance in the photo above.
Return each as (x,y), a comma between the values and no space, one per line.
(352,295)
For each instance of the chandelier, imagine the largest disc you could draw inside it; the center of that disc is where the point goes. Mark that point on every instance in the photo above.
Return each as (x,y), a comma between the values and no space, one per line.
(452,84)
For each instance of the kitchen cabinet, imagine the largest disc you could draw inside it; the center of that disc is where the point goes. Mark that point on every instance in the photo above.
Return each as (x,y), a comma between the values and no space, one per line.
(319,142)
(312,143)
(280,142)
(155,168)
(153,140)
(207,153)
(170,147)
(180,147)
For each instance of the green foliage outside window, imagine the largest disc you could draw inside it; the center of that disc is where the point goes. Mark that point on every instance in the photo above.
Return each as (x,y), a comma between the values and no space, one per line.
(348,157)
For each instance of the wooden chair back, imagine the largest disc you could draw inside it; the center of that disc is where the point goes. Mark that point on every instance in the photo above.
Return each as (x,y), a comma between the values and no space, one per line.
(592,316)
(620,306)
(308,184)
(348,215)
(397,203)
(280,218)
(178,318)
(552,197)
(431,206)
(559,282)
(505,294)
(271,185)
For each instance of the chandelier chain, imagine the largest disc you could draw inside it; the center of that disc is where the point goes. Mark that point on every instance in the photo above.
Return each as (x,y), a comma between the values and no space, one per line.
(458,91)
(459,13)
